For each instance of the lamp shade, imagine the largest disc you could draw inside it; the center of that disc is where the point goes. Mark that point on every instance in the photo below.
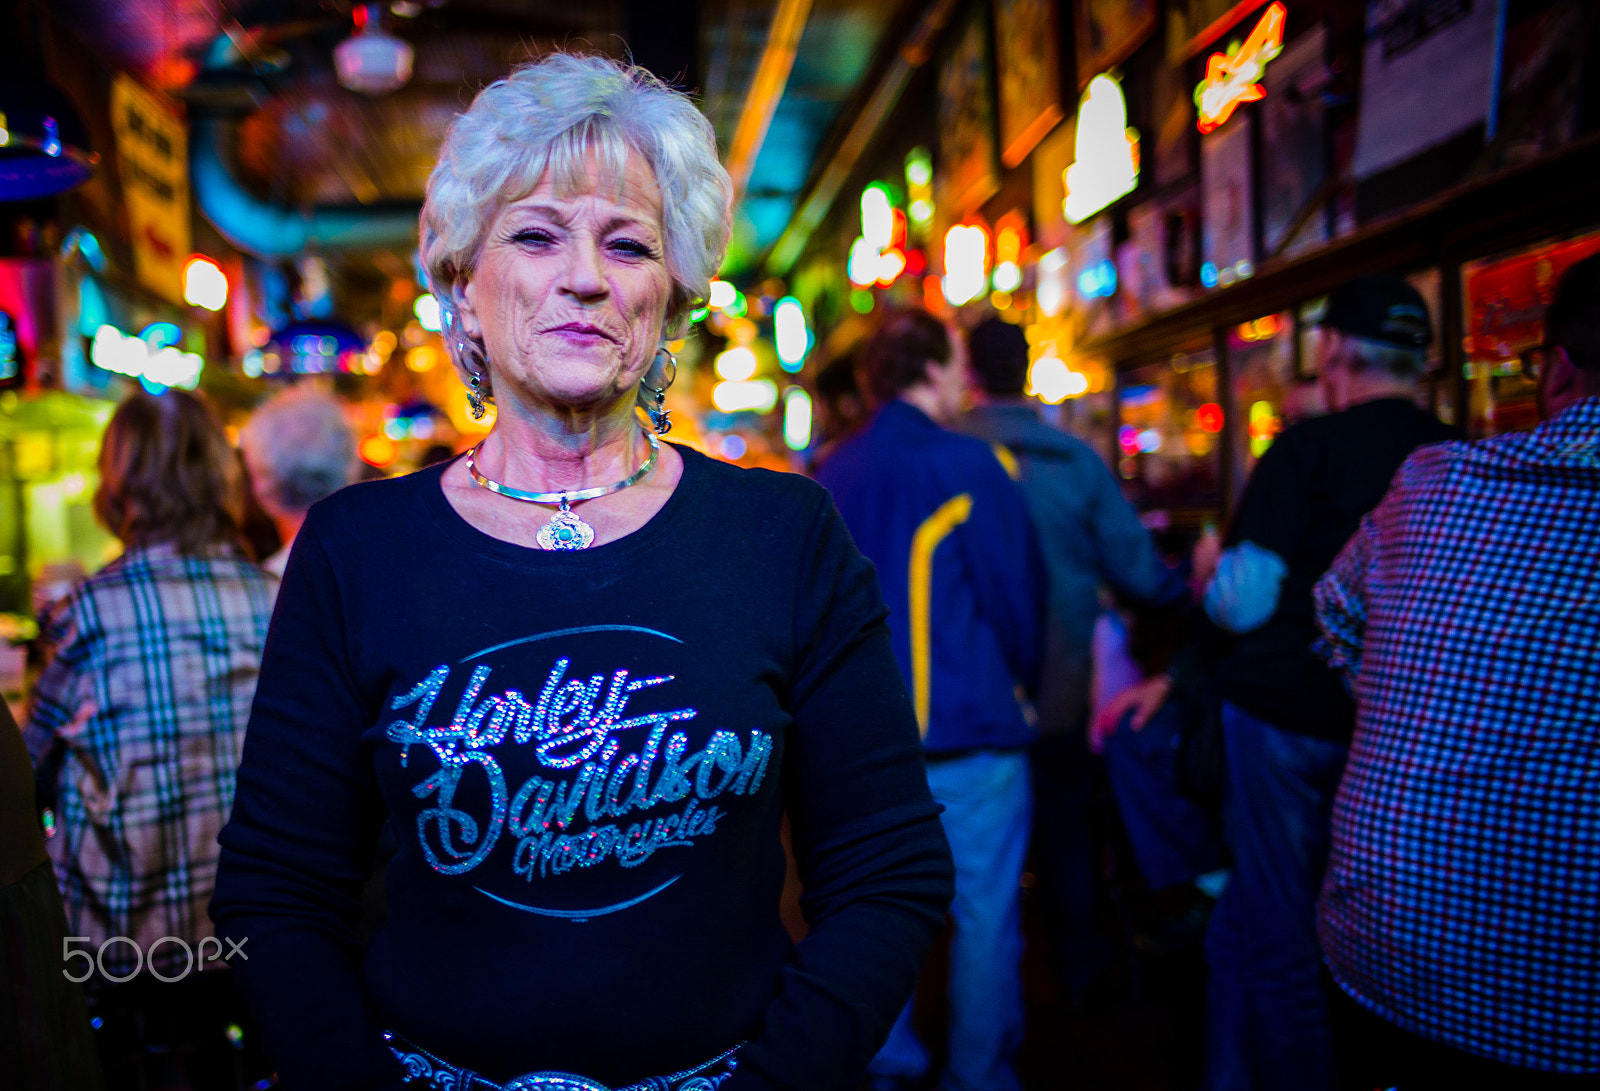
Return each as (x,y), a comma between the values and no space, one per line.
(44,147)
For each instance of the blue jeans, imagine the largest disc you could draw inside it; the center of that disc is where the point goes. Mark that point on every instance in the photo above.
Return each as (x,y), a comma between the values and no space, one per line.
(1269,1022)
(988,804)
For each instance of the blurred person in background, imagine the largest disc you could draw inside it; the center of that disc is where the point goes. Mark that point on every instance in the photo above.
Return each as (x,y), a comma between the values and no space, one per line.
(960,568)
(137,723)
(583,675)
(45,1040)
(841,406)
(1091,537)
(1461,911)
(1285,717)
(299,448)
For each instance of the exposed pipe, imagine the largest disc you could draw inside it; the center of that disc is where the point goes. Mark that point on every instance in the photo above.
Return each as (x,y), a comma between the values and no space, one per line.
(269,231)
(766,88)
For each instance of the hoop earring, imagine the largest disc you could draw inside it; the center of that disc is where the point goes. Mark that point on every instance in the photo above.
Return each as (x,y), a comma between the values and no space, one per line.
(656,396)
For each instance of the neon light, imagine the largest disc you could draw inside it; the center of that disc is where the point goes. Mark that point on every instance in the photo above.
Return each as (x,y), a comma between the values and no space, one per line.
(789,333)
(722,295)
(151,357)
(204,284)
(737,364)
(754,395)
(796,419)
(1107,152)
(426,308)
(1007,277)
(966,258)
(1051,381)
(1128,439)
(891,263)
(1232,78)
(877,217)
(1209,417)
(1099,281)
(919,186)
(863,265)
(1051,291)
(1263,427)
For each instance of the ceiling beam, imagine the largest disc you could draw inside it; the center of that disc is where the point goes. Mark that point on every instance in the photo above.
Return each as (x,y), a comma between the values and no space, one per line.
(766,88)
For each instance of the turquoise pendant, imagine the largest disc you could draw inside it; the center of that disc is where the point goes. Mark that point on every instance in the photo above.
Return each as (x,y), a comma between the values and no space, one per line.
(565,531)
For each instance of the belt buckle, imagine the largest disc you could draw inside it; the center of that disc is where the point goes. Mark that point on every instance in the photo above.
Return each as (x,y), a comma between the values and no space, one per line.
(553,1081)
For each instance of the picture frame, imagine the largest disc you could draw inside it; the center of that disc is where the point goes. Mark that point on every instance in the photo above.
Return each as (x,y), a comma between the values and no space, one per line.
(968,159)
(1026,45)
(1108,31)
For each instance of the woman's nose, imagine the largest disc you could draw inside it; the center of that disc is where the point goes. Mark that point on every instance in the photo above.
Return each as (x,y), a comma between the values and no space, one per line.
(585,275)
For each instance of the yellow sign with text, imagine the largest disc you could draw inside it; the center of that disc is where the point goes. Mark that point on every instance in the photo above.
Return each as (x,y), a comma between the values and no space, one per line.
(153,164)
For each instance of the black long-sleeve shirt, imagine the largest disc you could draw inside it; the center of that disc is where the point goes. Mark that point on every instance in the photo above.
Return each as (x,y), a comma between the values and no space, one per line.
(584,757)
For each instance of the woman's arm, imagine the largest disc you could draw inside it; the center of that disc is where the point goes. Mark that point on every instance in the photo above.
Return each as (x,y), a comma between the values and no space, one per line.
(873,860)
(301,841)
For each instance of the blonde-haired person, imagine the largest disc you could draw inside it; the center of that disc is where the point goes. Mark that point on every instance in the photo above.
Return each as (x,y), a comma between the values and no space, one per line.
(582,675)
(298,448)
(136,724)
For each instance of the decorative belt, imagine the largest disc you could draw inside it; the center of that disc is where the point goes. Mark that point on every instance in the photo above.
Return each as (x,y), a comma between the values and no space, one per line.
(439,1075)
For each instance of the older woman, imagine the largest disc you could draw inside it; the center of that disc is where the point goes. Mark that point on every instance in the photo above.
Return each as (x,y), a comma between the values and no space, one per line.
(136,725)
(582,674)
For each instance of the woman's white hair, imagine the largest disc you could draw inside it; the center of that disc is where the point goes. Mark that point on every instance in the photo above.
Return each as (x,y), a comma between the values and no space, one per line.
(561,114)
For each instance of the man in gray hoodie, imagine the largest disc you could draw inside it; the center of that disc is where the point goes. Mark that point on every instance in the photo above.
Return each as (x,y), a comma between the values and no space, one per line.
(1090,537)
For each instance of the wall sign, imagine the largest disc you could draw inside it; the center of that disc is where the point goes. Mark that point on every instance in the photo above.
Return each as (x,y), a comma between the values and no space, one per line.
(1233,78)
(153,163)
(1107,165)
(1427,74)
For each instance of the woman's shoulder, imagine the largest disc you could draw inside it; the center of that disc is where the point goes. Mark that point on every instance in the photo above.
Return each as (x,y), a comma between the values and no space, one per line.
(753,486)
(366,505)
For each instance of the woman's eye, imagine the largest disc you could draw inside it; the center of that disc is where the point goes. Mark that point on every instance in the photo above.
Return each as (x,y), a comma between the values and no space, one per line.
(533,235)
(633,248)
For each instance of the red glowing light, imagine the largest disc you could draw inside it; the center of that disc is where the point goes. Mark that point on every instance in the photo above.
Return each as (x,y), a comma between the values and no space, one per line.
(1232,78)
(1128,439)
(1209,417)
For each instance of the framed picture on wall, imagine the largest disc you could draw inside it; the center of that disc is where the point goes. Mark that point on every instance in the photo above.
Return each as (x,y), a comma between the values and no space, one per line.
(1108,31)
(1228,201)
(969,169)
(1030,74)
(1294,148)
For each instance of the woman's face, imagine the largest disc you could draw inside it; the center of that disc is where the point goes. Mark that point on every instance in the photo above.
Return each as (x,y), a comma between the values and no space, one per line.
(570,291)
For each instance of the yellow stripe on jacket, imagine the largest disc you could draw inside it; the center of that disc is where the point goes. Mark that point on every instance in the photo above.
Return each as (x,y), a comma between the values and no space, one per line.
(934,529)
(1008,461)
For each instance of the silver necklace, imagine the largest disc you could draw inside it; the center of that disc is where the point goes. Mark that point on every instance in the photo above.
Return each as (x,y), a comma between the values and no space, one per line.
(565,530)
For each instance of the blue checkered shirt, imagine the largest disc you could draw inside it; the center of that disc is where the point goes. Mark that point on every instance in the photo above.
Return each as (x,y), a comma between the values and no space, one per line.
(152,668)
(1462,899)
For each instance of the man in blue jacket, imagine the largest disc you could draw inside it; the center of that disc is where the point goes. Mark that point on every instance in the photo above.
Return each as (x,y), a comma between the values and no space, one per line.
(1090,536)
(962,575)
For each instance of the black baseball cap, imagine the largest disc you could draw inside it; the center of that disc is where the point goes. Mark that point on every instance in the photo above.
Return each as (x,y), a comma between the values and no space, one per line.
(1382,308)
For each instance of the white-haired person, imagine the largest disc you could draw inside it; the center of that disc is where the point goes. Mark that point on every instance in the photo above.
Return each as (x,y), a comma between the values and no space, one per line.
(298,448)
(582,674)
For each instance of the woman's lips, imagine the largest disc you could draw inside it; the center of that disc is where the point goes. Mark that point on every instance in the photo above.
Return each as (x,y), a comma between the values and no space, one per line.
(582,331)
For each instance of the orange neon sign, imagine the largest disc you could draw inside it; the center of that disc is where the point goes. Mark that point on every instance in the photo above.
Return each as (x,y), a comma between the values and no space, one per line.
(1234,77)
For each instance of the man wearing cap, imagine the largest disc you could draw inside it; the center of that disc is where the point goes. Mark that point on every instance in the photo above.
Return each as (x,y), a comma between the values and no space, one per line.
(1461,909)
(1286,717)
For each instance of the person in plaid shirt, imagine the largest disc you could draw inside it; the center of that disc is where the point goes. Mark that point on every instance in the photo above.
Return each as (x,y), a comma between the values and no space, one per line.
(137,721)
(1461,907)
